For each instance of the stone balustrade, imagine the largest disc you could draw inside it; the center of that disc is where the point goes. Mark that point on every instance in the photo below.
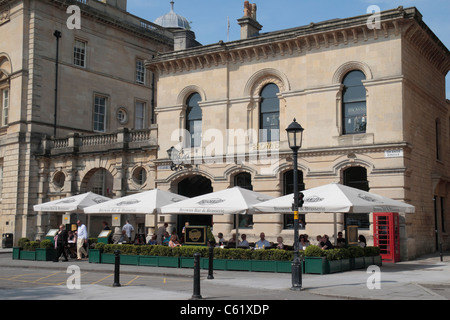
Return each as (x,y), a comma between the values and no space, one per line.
(124,139)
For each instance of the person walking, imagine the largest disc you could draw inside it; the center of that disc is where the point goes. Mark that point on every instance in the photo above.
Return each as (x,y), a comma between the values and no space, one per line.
(82,239)
(61,243)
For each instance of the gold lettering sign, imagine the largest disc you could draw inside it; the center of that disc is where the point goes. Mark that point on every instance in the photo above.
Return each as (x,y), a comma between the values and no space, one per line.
(195,235)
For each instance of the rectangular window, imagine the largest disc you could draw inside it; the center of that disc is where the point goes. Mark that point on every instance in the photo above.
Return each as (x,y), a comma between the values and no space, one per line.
(79,53)
(100,114)
(438,142)
(139,118)
(1,179)
(140,71)
(5,106)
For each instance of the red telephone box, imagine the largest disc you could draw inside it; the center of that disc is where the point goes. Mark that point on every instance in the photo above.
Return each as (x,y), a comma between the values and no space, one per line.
(386,229)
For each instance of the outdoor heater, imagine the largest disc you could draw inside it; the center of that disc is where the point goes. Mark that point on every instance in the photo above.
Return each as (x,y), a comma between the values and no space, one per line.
(295,137)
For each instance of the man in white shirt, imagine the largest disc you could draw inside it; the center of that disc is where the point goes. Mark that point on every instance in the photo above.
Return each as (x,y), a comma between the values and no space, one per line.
(82,238)
(128,228)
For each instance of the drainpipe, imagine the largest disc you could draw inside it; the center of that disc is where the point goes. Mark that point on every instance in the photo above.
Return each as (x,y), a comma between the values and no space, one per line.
(153,97)
(57,35)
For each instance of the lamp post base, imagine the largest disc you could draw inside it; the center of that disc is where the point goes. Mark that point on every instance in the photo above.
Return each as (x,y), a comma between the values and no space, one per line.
(296,276)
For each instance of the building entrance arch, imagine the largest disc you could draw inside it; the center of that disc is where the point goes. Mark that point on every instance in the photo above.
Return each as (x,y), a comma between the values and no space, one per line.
(99,181)
(191,187)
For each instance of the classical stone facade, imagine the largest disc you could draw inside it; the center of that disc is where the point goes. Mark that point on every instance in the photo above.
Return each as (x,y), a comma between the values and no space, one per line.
(67,96)
(391,136)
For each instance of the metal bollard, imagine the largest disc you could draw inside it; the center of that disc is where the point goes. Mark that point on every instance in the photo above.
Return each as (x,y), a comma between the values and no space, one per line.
(211,263)
(196,294)
(116,269)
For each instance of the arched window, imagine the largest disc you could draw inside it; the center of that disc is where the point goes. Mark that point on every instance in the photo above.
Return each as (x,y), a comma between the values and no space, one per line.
(243,180)
(194,120)
(269,117)
(356,177)
(354,110)
(288,188)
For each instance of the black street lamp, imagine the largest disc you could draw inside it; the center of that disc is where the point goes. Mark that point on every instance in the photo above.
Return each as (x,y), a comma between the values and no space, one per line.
(295,137)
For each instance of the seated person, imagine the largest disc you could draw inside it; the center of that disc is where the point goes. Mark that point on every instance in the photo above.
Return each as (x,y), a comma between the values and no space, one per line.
(221,239)
(340,241)
(153,241)
(362,241)
(166,238)
(262,243)
(244,242)
(326,244)
(123,238)
(174,242)
(280,244)
(303,242)
(232,241)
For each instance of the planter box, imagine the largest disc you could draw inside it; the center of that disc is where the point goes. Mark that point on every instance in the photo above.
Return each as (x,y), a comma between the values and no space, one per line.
(218,264)
(131,260)
(108,258)
(16,253)
(378,261)
(239,265)
(286,267)
(263,266)
(45,254)
(28,255)
(95,256)
(171,262)
(335,266)
(368,261)
(148,261)
(346,265)
(357,263)
(187,262)
(316,265)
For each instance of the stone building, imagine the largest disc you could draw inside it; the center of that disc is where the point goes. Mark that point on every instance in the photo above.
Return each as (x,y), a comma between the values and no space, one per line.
(370,97)
(97,108)
(69,93)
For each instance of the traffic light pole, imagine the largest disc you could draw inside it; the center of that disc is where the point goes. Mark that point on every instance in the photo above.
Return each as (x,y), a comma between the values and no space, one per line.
(296,264)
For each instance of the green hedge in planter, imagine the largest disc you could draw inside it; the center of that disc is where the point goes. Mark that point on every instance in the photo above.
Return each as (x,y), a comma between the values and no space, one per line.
(271,260)
(22,242)
(31,246)
(188,251)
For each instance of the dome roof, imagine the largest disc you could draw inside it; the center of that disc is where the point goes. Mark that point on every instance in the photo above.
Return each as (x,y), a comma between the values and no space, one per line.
(173,20)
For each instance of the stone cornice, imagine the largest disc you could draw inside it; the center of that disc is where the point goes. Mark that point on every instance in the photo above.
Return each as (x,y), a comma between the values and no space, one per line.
(124,20)
(301,40)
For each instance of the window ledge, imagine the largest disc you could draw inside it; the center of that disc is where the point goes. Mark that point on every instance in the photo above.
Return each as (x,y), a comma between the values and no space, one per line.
(355,139)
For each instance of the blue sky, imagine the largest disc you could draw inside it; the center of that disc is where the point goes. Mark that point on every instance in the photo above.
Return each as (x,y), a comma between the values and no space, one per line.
(209,17)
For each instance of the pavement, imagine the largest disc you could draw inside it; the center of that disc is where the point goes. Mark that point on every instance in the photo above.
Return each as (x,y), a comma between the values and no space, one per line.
(426,278)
